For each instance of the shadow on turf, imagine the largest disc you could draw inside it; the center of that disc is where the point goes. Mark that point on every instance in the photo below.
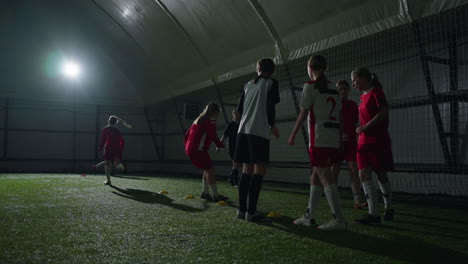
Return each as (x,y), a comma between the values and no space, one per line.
(457,221)
(399,247)
(151,197)
(129,177)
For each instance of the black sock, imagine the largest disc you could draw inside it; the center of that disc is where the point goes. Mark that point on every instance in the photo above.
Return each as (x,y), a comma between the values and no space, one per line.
(235,176)
(244,191)
(254,192)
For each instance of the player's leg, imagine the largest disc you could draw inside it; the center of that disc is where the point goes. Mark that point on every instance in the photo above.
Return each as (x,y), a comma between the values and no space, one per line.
(386,188)
(356,185)
(333,198)
(108,169)
(315,192)
(254,192)
(244,184)
(205,188)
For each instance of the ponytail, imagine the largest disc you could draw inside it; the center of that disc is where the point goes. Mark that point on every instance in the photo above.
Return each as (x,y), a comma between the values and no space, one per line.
(375,81)
(321,83)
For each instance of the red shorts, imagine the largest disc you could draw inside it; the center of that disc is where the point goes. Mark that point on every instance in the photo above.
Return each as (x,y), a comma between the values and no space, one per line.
(112,155)
(323,157)
(379,157)
(201,159)
(348,153)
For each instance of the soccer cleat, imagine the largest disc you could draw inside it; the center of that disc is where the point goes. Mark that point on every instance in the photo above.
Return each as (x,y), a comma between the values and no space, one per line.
(241,215)
(360,205)
(257,218)
(304,220)
(206,196)
(333,225)
(368,219)
(388,215)
(220,197)
(107,183)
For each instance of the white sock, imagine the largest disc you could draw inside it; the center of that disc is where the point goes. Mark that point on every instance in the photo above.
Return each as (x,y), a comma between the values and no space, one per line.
(314,199)
(100,164)
(214,189)
(333,198)
(206,187)
(386,189)
(371,194)
(108,172)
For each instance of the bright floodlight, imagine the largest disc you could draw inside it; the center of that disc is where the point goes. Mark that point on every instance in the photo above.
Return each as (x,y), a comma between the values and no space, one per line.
(71,69)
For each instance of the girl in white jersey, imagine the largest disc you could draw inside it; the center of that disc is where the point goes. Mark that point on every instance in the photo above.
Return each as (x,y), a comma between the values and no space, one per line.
(323,107)
(257,110)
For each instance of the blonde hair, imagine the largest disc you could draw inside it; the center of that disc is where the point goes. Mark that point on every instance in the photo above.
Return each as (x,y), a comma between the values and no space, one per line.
(210,109)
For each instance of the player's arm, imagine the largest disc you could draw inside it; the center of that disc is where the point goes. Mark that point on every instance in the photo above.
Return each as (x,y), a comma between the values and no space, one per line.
(272,99)
(240,104)
(307,100)
(211,133)
(300,120)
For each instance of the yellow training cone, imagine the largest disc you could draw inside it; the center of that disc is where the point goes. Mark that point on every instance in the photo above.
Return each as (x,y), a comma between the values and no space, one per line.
(163,192)
(222,203)
(189,197)
(274,214)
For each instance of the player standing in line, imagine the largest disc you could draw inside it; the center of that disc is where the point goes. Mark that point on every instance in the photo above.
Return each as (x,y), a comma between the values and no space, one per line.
(197,142)
(350,115)
(257,109)
(322,107)
(231,133)
(113,143)
(374,152)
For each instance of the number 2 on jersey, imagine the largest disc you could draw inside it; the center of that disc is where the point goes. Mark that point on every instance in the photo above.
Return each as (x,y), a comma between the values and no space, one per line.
(333,102)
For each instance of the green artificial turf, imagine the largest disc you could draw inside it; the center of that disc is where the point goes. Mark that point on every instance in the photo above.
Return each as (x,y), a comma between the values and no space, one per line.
(67,218)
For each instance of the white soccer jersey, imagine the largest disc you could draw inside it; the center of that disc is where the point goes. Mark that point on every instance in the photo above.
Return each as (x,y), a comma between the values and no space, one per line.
(257,107)
(324,115)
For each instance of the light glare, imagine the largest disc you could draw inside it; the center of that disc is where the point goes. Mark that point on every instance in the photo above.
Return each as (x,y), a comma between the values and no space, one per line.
(71,69)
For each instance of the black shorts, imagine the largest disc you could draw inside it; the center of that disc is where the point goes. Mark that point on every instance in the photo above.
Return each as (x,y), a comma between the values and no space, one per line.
(252,149)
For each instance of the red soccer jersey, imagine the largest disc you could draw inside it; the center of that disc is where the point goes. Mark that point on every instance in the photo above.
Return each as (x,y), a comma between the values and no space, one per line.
(200,136)
(111,139)
(350,115)
(371,103)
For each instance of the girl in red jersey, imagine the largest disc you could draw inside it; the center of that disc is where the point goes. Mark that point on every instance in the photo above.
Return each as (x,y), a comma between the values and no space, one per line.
(197,142)
(374,152)
(350,114)
(113,144)
(322,107)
